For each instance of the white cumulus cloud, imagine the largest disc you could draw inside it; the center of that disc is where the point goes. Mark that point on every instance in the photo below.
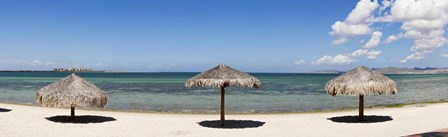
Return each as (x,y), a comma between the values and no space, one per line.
(357,22)
(422,21)
(343,29)
(393,38)
(409,10)
(300,62)
(336,60)
(413,56)
(374,40)
(384,5)
(373,54)
(359,52)
(362,12)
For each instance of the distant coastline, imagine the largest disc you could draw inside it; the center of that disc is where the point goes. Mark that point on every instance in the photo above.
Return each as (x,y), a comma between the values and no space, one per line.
(58,70)
(395,70)
(51,71)
(416,70)
(386,70)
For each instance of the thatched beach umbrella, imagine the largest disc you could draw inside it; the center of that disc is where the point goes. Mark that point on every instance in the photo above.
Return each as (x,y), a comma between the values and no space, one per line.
(71,91)
(223,76)
(359,82)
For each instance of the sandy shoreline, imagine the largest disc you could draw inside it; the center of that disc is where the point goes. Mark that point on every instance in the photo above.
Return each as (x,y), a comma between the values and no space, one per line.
(25,121)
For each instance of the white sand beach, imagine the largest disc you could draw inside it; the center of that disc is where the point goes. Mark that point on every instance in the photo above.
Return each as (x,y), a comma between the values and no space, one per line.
(27,121)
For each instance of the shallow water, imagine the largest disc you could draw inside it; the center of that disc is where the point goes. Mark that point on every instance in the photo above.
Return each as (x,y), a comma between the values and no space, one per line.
(279,92)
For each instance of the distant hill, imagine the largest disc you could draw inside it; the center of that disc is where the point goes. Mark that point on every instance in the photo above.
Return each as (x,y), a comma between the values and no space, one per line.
(416,70)
(395,70)
(427,68)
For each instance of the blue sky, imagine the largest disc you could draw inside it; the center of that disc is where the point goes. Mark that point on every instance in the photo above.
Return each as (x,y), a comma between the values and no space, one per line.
(182,35)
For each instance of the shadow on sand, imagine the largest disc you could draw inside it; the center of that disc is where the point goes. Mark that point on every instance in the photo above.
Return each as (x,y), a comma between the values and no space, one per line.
(80,119)
(430,134)
(232,124)
(367,119)
(4,110)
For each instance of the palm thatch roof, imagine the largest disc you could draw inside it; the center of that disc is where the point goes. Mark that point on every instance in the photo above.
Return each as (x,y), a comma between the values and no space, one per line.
(223,76)
(361,81)
(71,90)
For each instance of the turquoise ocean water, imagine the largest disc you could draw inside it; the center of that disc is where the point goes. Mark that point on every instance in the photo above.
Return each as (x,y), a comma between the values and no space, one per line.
(279,92)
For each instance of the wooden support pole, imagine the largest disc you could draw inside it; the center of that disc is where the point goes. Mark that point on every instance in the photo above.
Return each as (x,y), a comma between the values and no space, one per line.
(72,115)
(222,106)
(361,108)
